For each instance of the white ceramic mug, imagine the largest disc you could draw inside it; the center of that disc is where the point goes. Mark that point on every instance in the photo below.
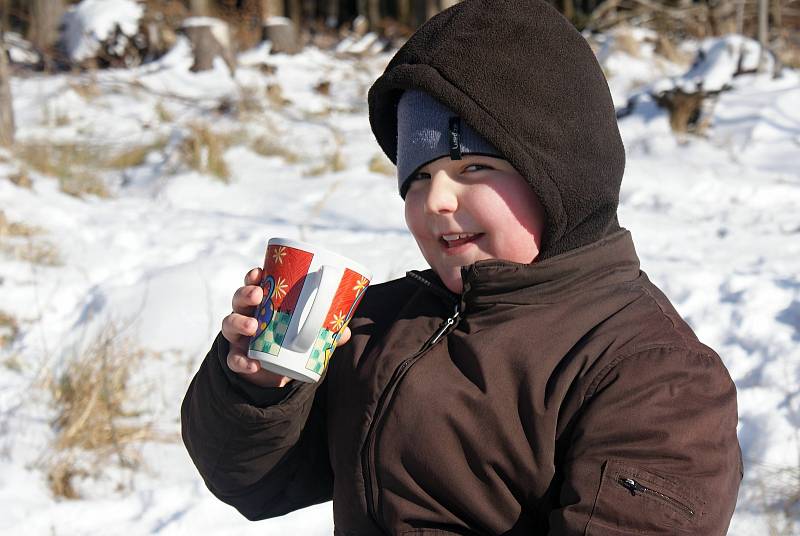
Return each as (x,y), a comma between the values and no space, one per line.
(310,295)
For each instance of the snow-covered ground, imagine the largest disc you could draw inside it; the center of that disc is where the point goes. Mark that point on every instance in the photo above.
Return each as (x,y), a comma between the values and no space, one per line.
(715,220)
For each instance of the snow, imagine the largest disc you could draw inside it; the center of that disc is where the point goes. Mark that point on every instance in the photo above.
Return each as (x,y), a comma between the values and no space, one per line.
(714,219)
(718,61)
(90,22)
(19,50)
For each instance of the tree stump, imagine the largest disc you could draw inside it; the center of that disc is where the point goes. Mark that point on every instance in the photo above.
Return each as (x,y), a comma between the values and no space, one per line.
(685,109)
(6,109)
(281,32)
(210,39)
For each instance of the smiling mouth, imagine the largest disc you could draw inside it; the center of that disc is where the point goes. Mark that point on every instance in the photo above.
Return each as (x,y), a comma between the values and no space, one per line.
(458,239)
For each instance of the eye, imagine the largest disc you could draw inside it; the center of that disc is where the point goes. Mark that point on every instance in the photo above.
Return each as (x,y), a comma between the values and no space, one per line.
(416,182)
(476,167)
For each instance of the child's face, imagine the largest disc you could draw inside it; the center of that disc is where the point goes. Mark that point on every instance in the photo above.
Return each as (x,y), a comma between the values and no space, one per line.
(477,208)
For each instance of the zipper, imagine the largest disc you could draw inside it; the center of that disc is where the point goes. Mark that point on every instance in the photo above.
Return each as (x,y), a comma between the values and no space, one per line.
(368,456)
(635,487)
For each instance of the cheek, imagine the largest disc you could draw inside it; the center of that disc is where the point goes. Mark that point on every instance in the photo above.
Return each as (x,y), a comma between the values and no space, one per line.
(517,204)
(414,217)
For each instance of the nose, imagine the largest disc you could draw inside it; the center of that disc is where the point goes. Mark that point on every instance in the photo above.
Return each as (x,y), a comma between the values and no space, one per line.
(442,194)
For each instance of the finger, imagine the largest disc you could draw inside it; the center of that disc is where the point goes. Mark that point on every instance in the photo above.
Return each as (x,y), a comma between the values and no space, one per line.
(235,327)
(245,298)
(344,336)
(253,277)
(242,364)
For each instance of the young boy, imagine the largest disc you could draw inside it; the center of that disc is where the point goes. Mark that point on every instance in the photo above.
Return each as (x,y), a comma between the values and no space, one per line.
(533,381)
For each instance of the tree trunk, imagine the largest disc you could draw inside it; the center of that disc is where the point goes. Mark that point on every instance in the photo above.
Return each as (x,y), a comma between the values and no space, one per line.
(404,11)
(5,8)
(282,35)
(208,42)
(740,17)
(777,19)
(43,30)
(361,7)
(6,108)
(374,14)
(763,30)
(568,7)
(431,8)
(272,8)
(296,13)
(332,14)
(199,8)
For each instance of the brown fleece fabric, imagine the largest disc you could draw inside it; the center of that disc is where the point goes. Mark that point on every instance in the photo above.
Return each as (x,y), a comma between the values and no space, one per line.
(520,75)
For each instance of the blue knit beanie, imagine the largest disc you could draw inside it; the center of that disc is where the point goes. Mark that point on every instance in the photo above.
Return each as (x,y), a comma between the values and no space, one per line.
(426,131)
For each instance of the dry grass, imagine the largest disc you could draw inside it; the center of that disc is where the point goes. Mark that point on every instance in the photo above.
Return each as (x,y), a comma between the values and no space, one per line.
(42,253)
(95,424)
(323,88)
(13,363)
(333,163)
(379,163)
(163,114)
(624,41)
(75,165)
(787,49)
(9,329)
(21,179)
(86,88)
(133,156)
(203,150)
(772,491)
(275,96)
(82,184)
(270,146)
(250,101)
(17,240)
(9,228)
(666,48)
(71,164)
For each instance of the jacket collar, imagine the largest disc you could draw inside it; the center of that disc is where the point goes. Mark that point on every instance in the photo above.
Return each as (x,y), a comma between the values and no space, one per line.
(609,260)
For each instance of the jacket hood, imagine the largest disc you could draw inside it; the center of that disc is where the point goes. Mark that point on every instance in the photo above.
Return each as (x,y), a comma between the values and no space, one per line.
(525,79)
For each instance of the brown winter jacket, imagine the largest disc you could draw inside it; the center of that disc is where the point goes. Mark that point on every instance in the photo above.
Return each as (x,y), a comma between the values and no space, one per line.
(566,397)
(563,397)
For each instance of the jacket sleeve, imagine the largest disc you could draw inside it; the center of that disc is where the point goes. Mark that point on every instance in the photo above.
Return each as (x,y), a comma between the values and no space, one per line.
(265,457)
(653,449)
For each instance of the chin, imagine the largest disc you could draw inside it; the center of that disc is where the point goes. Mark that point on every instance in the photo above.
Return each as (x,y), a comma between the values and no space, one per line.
(453,284)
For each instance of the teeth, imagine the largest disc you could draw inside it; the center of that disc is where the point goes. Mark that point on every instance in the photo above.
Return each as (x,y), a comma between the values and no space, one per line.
(453,237)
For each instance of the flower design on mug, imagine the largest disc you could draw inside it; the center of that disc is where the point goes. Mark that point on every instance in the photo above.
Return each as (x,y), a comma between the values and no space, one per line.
(281,286)
(361,285)
(278,254)
(338,321)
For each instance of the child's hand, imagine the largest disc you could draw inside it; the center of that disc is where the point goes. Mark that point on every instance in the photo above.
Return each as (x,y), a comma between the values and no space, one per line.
(240,325)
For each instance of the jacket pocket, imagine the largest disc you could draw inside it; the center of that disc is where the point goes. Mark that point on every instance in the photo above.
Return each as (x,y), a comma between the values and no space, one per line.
(632,500)
(431,532)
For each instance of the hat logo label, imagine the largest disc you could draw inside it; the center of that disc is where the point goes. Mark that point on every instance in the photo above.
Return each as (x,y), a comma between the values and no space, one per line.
(455,138)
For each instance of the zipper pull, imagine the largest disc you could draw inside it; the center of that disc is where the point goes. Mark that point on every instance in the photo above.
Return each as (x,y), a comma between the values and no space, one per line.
(449,322)
(631,485)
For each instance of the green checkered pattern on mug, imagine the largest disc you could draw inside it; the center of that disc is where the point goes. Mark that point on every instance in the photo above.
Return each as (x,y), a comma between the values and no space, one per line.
(271,340)
(316,361)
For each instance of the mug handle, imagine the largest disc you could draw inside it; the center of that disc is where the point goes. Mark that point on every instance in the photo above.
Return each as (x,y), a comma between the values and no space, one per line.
(329,278)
